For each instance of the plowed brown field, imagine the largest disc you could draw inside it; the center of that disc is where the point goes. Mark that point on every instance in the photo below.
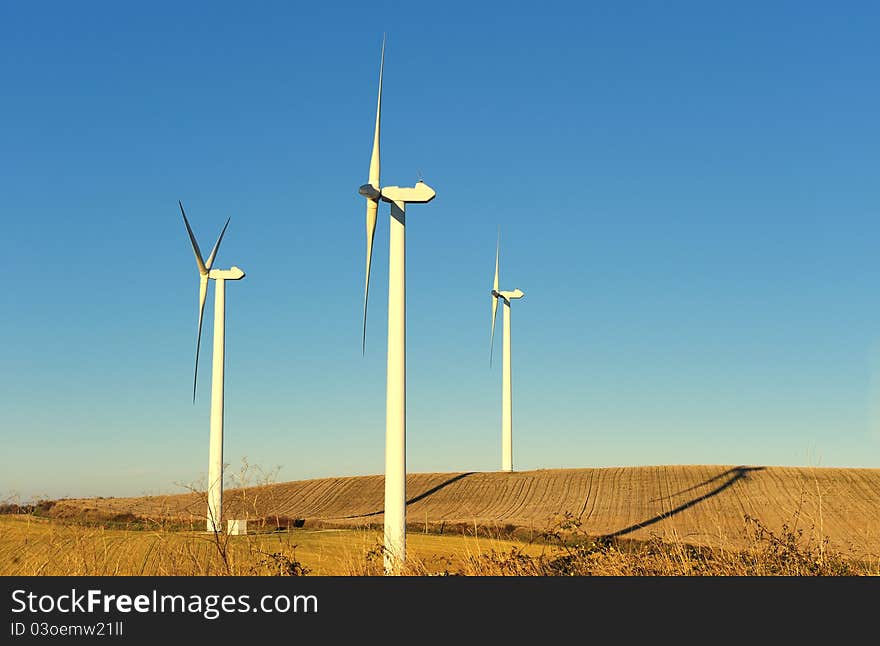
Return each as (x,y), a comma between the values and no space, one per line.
(702,505)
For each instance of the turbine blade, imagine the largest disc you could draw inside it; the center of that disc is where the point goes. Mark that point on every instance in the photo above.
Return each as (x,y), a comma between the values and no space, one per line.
(203,293)
(216,246)
(497,252)
(494,297)
(195,245)
(372,210)
(492,338)
(374,157)
(373,204)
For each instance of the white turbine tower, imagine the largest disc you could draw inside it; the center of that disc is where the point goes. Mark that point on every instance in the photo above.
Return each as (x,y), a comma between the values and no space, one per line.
(506,389)
(395,397)
(215,449)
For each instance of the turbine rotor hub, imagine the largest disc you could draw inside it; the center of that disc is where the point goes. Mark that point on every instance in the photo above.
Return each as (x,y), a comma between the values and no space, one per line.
(370,192)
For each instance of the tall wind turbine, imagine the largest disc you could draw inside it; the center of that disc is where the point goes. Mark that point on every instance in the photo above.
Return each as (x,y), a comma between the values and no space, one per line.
(506,390)
(215,449)
(395,394)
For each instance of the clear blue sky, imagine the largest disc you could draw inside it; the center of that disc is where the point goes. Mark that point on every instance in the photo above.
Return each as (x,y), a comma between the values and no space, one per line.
(689,195)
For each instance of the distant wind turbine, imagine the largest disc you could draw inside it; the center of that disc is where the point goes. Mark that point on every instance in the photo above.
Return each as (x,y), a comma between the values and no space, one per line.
(395,397)
(215,449)
(506,389)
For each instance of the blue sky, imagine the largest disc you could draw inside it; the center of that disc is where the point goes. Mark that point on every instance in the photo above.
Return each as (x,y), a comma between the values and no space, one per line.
(688,196)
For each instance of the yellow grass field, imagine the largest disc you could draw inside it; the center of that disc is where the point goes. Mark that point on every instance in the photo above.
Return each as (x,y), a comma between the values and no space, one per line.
(30,546)
(704,506)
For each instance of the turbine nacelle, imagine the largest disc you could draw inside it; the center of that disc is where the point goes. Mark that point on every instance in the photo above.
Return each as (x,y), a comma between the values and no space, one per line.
(508,296)
(418,194)
(234,273)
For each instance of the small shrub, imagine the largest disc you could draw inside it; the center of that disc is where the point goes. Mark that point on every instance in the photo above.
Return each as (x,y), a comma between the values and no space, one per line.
(789,553)
(42,507)
(281,564)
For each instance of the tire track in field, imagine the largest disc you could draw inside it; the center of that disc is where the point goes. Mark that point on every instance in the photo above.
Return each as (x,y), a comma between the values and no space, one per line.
(540,496)
(612,504)
(603,492)
(506,508)
(510,499)
(573,492)
(595,493)
(587,497)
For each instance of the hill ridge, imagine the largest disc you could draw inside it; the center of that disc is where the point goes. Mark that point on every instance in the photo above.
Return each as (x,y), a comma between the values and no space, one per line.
(700,504)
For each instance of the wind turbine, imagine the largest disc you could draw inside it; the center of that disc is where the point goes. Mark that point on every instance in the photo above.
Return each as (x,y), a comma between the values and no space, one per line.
(215,448)
(395,393)
(506,391)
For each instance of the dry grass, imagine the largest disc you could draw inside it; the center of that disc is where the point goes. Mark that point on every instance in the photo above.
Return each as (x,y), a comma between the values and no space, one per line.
(790,552)
(38,546)
(35,546)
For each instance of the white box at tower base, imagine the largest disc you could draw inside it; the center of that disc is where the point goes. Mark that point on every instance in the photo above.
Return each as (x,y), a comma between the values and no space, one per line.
(236,527)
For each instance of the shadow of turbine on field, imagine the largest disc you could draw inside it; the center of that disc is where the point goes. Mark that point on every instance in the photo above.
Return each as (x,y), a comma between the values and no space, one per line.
(730,472)
(421,496)
(736,474)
